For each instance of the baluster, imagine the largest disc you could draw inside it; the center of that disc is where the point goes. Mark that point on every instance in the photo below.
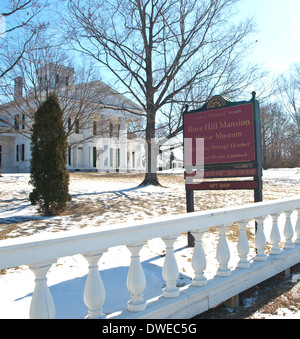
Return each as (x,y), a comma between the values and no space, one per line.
(94,291)
(260,240)
(198,260)
(136,281)
(42,305)
(170,271)
(275,234)
(243,246)
(223,254)
(297,228)
(288,231)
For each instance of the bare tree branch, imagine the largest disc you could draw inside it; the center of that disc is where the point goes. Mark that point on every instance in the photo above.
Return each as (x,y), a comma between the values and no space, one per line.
(160,50)
(21,29)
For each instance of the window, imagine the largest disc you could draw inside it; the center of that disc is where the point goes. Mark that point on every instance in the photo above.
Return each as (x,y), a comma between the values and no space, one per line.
(118,157)
(22,152)
(133,159)
(94,157)
(69,155)
(23,121)
(77,126)
(69,124)
(94,127)
(111,130)
(56,79)
(17,122)
(17,153)
(111,157)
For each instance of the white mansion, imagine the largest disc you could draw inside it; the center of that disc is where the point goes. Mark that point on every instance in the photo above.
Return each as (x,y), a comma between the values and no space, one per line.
(98,120)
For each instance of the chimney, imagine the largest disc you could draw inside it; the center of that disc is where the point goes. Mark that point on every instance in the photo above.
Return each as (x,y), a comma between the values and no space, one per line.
(18,90)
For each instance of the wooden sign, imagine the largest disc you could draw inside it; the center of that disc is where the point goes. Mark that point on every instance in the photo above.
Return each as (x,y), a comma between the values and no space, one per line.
(230,147)
(228,134)
(231,142)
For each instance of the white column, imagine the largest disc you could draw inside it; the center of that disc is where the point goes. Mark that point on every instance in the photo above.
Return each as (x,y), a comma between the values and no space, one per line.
(297,228)
(288,231)
(136,280)
(86,155)
(105,154)
(14,158)
(170,271)
(42,305)
(75,156)
(130,156)
(94,291)
(85,150)
(223,253)
(123,146)
(275,235)
(72,157)
(198,260)
(27,153)
(260,240)
(243,246)
(141,151)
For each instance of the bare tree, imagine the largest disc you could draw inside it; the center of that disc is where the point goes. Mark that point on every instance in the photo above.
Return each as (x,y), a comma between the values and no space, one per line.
(280,146)
(44,70)
(20,26)
(289,89)
(160,50)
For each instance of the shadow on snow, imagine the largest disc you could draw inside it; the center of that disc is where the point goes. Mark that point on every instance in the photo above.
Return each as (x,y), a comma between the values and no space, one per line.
(68,295)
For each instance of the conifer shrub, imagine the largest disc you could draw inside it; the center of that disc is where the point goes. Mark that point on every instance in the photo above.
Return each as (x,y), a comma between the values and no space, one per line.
(48,174)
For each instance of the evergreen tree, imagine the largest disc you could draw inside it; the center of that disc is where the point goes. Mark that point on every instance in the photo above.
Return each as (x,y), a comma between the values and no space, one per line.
(49,174)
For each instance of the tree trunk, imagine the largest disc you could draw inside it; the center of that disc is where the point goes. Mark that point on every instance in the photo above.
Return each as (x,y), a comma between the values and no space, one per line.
(150,179)
(151,153)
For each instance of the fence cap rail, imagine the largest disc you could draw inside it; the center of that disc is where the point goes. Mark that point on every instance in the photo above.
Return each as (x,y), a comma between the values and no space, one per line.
(48,246)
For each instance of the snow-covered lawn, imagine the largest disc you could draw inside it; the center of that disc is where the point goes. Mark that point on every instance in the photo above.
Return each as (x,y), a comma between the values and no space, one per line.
(101,199)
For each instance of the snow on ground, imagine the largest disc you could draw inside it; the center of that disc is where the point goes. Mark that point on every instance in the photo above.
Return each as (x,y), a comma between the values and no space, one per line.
(106,199)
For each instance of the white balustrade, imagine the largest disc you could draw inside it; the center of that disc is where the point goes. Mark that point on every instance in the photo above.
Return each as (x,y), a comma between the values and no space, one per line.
(275,234)
(223,254)
(23,252)
(42,305)
(94,291)
(260,240)
(243,246)
(170,271)
(198,260)
(288,231)
(136,280)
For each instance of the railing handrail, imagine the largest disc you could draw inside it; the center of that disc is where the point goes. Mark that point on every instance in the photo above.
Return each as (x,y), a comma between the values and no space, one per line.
(42,248)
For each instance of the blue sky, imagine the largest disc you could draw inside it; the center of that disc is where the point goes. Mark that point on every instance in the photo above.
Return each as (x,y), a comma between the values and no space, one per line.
(278,23)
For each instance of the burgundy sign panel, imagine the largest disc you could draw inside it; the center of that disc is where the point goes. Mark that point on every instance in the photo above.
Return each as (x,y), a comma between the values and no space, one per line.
(223,185)
(243,172)
(228,134)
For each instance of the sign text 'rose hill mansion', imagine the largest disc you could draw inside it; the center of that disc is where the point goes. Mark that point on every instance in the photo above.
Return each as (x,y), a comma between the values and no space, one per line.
(99,122)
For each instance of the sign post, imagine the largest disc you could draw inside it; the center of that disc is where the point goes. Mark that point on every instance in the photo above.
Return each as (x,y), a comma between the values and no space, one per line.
(231,148)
